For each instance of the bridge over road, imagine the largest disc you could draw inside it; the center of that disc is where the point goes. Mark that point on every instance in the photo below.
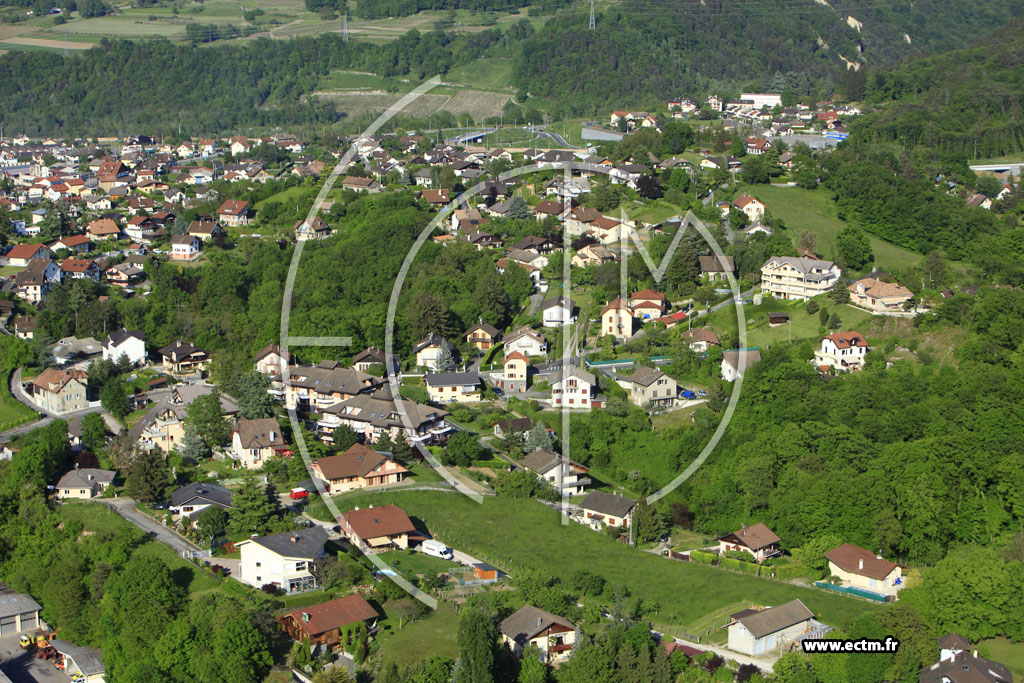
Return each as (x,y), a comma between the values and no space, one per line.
(1011,168)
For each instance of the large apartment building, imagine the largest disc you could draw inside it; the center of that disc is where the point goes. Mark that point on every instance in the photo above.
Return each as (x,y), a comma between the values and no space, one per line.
(798,278)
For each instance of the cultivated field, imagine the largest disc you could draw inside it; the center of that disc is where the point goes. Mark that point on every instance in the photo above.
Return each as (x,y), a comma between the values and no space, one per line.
(280,19)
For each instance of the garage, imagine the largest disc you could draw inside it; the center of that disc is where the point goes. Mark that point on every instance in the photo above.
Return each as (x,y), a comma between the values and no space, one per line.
(18,612)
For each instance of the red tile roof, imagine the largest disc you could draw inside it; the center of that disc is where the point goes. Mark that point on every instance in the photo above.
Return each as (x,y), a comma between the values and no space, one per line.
(327,616)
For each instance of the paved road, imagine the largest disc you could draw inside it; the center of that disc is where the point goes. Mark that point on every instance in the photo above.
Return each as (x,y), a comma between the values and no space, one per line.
(126,508)
(555,137)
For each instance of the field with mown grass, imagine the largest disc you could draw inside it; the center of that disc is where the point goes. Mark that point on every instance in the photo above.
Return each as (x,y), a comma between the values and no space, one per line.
(517,534)
(814,211)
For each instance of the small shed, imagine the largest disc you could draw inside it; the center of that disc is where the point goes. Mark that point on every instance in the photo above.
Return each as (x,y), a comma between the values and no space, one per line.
(485,572)
(776,319)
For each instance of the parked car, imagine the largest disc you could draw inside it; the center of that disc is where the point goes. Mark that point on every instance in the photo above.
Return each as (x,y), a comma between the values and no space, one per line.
(688,395)
(702,393)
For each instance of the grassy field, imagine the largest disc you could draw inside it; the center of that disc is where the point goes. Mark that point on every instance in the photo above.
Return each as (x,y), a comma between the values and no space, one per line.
(514,534)
(674,418)
(654,211)
(487,73)
(412,564)
(12,411)
(801,326)
(1005,652)
(813,210)
(433,634)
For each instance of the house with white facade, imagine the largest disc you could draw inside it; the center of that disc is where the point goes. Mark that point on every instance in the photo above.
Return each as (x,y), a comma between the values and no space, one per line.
(253,442)
(129,343)
(843,351)
(560,472)
(527,342)
(282,559)
(529,626)
(856,567)
(558,311)
(798,278)
(575,388)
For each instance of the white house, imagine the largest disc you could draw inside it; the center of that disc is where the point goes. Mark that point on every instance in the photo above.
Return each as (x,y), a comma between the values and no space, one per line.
(531,626)
(757,632)
(573,389)
(558,311)
(428,351)
(282,559)
(553,469)
(842,351)
(751,206)
(734,363)
(191,499)
(128,343)
(184,247)
(600,509)
(527,342)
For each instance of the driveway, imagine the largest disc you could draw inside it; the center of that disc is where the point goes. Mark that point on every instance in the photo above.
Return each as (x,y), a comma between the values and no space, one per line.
(21,666)
(46,418)
(126,508)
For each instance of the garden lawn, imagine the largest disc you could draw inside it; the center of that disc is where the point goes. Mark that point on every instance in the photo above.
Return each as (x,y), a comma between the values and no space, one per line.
(12,411)
(413,563)
(814,211)
(435,633)
(802,325)
(682,417)
(516,534)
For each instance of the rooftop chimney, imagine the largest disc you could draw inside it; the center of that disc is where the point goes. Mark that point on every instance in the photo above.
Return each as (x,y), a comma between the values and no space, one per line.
(306,616)
(540,622)
(743,531)
(293,538)
(860,563)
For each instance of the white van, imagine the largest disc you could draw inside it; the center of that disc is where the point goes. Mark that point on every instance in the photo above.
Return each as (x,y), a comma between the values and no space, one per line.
(436,549)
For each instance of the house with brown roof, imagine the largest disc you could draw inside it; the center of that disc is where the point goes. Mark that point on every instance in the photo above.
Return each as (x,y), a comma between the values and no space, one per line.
(756,539)
(321,624)
(104,229)
(556,470)
(593,255)
(21,254)
(378,528)
(856,567)
(180,358)
(843,351)
(648,304)
(714,269)
(358,468)
(880,297)
(372,416)
(438,197)
(84,483)
(184,247)
(72,243)
(701,338)
(483,336)
(234,212)
(253,442)
(315,229)
(652,387)
(959,664)
(59,391)
(735,362)
(515,373)
(751,206)
(553,636)
(316,387)
(763,631)
(205,229)
(368,185)
(77,269)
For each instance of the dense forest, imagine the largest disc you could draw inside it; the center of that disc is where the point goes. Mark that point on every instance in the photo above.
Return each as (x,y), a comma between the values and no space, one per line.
(215,90)
(641,55)
(967,102)
(653,48)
